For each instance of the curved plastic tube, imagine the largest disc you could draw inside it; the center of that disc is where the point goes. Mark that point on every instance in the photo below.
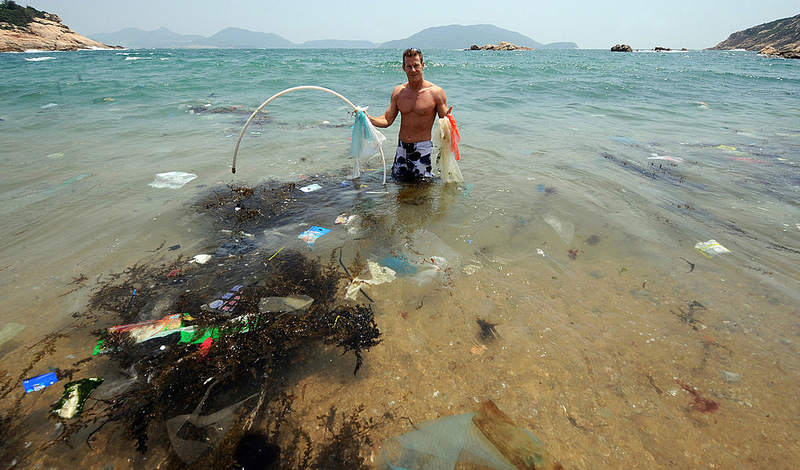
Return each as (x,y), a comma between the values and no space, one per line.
(304,87)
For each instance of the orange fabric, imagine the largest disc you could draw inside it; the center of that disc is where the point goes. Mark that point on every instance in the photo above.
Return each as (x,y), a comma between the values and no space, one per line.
(455,136)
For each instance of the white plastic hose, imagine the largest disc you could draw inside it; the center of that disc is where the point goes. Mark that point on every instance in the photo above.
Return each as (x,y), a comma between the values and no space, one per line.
(304,87)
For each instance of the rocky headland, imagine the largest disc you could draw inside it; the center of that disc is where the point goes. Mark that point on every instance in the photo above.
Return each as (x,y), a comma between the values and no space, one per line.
(24,28)
(501,46)
(777,38)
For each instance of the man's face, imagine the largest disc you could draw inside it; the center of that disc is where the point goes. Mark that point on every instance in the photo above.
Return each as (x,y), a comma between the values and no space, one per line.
(413,66)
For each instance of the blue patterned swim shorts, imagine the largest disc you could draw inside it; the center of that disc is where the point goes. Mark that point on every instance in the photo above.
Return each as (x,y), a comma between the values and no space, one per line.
(413,160)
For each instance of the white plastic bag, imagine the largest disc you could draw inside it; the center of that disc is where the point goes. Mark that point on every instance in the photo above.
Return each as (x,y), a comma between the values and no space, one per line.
(448,139)
(366,140)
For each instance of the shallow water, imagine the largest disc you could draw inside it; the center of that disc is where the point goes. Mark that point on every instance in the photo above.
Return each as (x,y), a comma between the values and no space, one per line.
(590,177)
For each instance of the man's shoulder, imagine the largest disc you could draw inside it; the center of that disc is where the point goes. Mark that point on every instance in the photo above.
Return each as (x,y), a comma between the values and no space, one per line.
(436,90)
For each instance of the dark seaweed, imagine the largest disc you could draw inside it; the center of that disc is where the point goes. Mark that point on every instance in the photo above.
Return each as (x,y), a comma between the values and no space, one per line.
(248,357)
(487,331)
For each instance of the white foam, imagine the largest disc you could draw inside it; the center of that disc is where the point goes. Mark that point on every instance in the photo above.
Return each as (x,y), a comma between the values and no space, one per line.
(39,59)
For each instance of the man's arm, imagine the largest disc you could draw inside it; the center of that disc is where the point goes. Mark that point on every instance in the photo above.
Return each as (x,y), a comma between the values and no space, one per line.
(441,103)
(391,112)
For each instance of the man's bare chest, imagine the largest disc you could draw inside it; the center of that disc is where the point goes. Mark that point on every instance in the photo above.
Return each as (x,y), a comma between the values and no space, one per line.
(420,102)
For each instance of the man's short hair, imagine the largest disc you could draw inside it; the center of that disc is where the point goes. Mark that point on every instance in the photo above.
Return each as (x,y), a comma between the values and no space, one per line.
(411,52)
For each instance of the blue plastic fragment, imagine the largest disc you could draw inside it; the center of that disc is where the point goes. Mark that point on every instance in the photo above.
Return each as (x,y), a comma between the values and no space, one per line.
(34,384)
(399,264)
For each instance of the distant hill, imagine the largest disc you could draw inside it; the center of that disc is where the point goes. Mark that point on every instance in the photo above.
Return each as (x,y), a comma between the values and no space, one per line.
(238,37)
(162,37)
(462,37)
(783,34)
(339,44)
(443,37)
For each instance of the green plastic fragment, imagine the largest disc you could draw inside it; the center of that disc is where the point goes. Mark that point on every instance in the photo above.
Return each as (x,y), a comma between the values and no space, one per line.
(75,394)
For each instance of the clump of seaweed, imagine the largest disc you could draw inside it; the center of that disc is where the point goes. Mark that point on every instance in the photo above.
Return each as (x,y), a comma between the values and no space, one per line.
(246,208)
(346,447)
(699,402)
(487,331)
(243,353)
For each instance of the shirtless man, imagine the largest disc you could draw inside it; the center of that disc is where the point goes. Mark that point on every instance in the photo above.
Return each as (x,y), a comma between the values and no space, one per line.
(419,102)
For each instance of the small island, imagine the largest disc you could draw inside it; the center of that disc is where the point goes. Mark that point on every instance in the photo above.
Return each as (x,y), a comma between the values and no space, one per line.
(26,28)
(501,46)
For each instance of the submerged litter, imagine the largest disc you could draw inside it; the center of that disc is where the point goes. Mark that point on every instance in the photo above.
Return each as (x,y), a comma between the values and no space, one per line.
(172,179)
(34,384)
(374,274)
(201,259)
(310,188)
(488,439)
(565,230)
(75,394)
(310,236)
(143,331)
(711,248)
(667,158)
(284,304)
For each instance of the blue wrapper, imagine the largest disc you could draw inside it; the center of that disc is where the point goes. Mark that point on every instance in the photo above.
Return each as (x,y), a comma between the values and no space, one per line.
(34,384)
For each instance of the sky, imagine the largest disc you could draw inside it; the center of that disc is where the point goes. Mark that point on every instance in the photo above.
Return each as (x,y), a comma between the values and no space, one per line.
(592,24)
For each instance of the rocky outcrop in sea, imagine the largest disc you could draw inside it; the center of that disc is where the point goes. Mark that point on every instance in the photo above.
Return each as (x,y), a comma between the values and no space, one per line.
(501,46)
(770,51)
(621,48)
(47,33)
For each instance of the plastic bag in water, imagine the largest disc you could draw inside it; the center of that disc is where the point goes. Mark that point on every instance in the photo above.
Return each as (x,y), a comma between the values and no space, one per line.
(448,140)
(193,434)
(423,258)
(373,275)
(487,440)
(366,140)
(172,179)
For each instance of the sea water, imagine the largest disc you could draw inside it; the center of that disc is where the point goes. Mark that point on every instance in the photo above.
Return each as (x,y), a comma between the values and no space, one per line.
(590,177)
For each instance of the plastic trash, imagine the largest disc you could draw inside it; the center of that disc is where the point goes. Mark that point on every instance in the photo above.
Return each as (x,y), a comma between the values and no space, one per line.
(146,330)
(201,259)
(310,236)
(34,384)
(345,219)
(75,395)
(226,302)
(448,139)
(565,230)
(374,274)
(284,304)
(424,257)
(193,434)
(399,264)
(366,140)
(310,188)
(621,139)
(711,248)
(488,440)
(172,179)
